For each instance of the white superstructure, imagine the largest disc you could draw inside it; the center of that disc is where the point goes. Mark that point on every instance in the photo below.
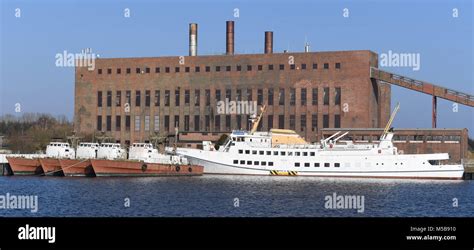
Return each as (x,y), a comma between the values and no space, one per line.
(60,150)
(147,153)
(87,150)
(111,151)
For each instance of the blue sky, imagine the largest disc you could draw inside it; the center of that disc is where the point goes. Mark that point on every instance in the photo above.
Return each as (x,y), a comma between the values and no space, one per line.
(28,44)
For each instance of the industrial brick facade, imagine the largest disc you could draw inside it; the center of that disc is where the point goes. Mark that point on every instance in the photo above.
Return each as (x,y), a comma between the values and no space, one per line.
(130,99)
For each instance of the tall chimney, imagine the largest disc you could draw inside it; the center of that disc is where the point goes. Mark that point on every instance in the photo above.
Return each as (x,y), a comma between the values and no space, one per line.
(193,32)
(229,41)
(268,42)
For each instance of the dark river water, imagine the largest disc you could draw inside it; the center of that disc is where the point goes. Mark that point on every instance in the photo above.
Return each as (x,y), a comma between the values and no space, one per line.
(219,196)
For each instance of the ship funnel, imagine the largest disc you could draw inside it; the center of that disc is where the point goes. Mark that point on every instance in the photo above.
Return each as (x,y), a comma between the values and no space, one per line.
(193,29)
(229,41)
(268,42)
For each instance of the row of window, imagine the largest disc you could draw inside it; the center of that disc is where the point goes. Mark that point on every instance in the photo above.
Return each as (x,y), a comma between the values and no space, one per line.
(317,164)
(218,97)
(227,68)
(242,121)
(254,163)
(276,153)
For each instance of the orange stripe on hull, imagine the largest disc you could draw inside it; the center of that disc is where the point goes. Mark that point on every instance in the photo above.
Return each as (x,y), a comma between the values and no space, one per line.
(51,166)
(134,168)
(76,167)
(24,166)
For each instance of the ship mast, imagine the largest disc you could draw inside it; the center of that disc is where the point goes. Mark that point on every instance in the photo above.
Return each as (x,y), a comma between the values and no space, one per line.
(257,120)
(389,123)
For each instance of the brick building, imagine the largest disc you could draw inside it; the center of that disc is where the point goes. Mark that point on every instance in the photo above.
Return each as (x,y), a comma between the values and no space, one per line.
(130,99)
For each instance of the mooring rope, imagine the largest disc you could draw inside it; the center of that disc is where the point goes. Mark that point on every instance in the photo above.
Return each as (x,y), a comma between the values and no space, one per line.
(63,168)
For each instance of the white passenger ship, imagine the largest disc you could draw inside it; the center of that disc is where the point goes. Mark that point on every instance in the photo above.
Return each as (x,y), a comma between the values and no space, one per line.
(284,152)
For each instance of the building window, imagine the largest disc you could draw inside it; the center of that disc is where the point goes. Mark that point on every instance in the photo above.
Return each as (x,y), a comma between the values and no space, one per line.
(303,122)
(147,123)
(208,97)
(325,121)
(99,71)
(167,98)
(282,66)
(249,95)
(326,96)
(281,97)
(292,66)
(157,70)
(303,66)
(156,123)
(137,123)
(176,97)
(99,99)
(157,98)
(127,123)
(119,71)
(239,121)
(147,98)
(292,122)
(326,66)
(99,123)
(197,97)
(167,123)
(292,96)
(109,98)
(207,123)
(218,68)
(315,66)
(249,67)
(218,95)
(260,97)
(228,94)
(338,65)
(137,70)
(227,68)
(186,123)
(176,69)
(137,98)
(227,123)
(196,122)
(217,123)
(337,96)
(147,70)
(281,121)
(129,70)
(176,121)
(239,68)
(167,69)
(197,69)
(128,97)
(270,121)
(303,97)
(208,69)
(314,96)
(337,121)
(260,67)
(314,122)
(270,67)
(109,71)
(186,69)
(118,98)
(239,94)
(118,124)
(270,96)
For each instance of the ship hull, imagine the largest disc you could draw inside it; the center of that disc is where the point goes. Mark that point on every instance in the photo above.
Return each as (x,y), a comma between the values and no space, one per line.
(76,167)
(51,167)
(25,166)
(137,168)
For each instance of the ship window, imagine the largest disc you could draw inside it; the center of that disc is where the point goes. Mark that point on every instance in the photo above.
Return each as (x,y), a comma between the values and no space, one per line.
(247,151)
(326,165)
(270,163)
(297,153)
(316,164)
(255,163)
(306,164)
(275,152)
(269,152)
(249,162)
(236,161)
(290,153)
(264,163)
(254,152)
(297,164)
(242,162)
(240,151)
(283,153)
(305,153)
(311,153)
(337,165)
(260,152)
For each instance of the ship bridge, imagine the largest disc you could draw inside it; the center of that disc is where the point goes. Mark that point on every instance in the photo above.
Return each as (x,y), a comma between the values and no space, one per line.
(423,87)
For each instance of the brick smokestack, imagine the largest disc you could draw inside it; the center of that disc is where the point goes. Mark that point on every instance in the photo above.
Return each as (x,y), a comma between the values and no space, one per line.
(229,41)
(193,32)
(268,42)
